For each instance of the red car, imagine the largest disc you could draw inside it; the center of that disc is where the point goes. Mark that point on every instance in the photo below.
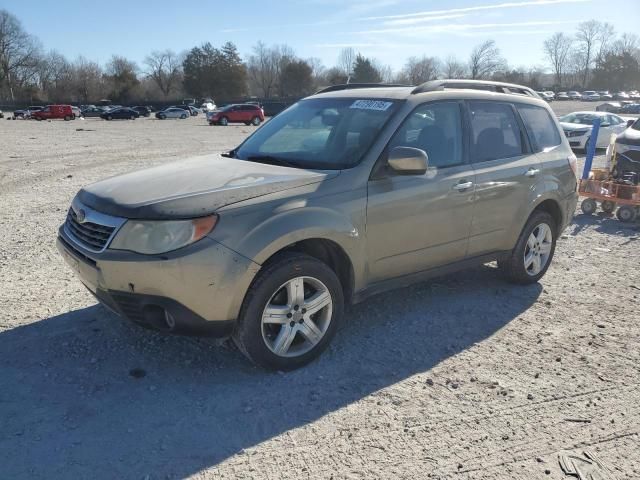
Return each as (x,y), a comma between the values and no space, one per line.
(246,113)
(54,111)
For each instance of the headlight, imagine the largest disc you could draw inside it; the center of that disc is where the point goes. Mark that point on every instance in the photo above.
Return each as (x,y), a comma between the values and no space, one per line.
(153,237)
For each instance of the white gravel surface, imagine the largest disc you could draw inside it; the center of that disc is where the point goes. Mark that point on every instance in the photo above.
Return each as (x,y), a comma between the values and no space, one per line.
(463,377)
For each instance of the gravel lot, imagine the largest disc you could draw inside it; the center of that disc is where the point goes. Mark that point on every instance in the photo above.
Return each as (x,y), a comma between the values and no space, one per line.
(462,377)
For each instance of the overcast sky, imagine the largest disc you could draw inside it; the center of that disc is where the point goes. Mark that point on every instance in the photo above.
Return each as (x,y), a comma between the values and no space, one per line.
(390,30)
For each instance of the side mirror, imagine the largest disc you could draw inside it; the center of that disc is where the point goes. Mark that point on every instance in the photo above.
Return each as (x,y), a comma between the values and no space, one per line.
(630,122)
(408,161)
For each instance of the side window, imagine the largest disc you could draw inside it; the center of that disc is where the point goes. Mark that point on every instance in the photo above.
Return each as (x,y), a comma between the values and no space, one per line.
(435,128)
(495,131)
(614,120)
(540,126)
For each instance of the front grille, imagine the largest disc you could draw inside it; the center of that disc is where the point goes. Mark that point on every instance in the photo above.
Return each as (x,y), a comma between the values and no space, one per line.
(90,235)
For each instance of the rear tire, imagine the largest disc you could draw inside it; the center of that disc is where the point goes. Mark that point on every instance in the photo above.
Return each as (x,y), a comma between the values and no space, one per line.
(67,118)
(224,121)
(532,255)
(588,206)
(132,117)
(626,214)
(255,121)
(274,329)
(183,116)
(109,117)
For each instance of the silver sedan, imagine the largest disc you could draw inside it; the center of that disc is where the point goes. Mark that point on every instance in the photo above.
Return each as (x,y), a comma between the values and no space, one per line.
(172,112)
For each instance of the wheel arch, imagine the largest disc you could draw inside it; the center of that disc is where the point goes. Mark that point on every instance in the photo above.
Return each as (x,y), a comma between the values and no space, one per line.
(552,207)
(330,253)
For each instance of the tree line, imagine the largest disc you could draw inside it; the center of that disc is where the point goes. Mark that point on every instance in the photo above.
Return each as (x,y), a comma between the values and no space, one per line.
(593,57)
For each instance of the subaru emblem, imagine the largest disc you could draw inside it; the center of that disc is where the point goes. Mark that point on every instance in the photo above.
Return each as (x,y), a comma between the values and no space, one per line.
(81,215)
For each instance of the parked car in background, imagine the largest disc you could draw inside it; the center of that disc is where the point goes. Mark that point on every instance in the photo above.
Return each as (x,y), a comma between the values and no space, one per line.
(51,112)
(613,107)
(77,113)
(590,96)
(25,113)
(577,128)
(143,110)
(562,96)
(193,111)
(271,241)
(621,95)
(92,111)
(208,107)
(1,114)
(573,95)
(122,113)
(172,112)
(248,114)
(605,95)
(633,109)
(634,95)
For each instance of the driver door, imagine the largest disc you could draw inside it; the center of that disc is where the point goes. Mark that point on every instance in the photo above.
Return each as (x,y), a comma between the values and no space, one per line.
(418,222)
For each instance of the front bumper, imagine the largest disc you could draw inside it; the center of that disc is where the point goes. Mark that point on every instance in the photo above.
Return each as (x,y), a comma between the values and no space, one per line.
(197,290)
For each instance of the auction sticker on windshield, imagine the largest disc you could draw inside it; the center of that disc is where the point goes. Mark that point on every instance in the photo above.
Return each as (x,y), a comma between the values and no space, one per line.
(371,105)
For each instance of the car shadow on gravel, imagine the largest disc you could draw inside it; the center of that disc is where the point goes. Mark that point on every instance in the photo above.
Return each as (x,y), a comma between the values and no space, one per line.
(603,223)
(87,395)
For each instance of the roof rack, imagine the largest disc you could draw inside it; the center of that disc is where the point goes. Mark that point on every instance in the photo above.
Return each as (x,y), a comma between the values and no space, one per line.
(350,86)
(499,87)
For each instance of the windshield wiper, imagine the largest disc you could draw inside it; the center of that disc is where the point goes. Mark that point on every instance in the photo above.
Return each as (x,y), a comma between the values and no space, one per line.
(271,160)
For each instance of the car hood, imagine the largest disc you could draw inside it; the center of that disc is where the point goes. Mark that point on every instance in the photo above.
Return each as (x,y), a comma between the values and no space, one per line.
(575,126)
(192,188)
(629,137)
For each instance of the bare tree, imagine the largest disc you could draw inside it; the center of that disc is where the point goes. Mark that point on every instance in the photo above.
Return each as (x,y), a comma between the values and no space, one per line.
(19,53)
(420,70)
(453,68)
(164,70)
(264,67)
(346,60)
(606,37)
(485,60)
(627,44)
(586,37)
(87,80)
(557,49)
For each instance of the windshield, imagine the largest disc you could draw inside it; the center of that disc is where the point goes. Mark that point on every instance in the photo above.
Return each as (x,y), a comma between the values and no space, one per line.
(580,118)
(636,125)
(322,133)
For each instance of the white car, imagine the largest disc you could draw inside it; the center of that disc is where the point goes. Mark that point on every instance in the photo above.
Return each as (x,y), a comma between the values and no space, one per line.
(577,127)
(573,95)
(208,107)
(590,96)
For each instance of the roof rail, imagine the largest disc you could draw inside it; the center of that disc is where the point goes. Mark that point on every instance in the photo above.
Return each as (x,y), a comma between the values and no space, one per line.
(500,87)
(349,86)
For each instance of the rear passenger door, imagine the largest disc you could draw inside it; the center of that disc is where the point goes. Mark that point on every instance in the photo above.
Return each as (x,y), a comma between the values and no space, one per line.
(507,173)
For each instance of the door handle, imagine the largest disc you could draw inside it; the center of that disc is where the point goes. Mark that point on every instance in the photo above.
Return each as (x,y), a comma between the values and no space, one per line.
(462,186)
(532,172)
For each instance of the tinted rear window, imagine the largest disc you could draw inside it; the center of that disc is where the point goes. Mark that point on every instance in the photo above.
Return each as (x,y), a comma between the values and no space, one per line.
(540,126)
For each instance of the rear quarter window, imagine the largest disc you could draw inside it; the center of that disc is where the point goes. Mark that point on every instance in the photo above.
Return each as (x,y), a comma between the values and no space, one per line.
(540,127)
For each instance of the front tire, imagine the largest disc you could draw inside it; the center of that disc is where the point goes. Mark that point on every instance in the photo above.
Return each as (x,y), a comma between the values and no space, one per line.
(224,121)
(588,206)
(290,313)
(255,121)
(183,116)
(532,255)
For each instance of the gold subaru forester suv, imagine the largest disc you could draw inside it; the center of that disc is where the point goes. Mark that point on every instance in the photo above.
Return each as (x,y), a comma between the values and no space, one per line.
(352,191)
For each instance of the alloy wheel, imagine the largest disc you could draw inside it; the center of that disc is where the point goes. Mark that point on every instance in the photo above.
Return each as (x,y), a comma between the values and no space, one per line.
(538,249)
(297,316)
